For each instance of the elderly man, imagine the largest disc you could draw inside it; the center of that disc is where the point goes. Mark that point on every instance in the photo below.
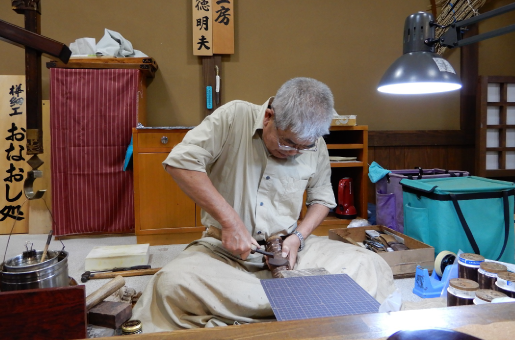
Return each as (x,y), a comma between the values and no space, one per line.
(248,167)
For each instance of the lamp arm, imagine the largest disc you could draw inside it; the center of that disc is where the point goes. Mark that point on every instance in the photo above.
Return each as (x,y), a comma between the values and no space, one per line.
(453,37)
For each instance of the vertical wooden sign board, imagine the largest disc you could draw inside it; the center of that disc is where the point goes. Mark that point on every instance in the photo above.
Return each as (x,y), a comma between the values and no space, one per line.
(223,26)
(202,27)
(13,159)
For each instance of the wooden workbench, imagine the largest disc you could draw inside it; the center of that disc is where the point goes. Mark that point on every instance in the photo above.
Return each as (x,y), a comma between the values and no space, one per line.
(488,319)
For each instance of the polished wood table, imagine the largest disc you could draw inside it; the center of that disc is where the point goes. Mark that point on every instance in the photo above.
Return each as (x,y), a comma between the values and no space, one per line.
(363,326)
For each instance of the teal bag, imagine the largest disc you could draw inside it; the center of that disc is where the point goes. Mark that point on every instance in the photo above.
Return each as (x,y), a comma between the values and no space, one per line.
(471,213)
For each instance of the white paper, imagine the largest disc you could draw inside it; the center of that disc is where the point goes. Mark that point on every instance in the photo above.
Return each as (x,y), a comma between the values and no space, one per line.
(511,93)
(492,160)
(510,138)
(510,160)
(494,93)
(492,138)
(492,115)
(510,115)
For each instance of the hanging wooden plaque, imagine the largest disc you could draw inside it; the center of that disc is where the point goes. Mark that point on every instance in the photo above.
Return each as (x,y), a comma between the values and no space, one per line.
(202,27)
(13,161)
(223,26)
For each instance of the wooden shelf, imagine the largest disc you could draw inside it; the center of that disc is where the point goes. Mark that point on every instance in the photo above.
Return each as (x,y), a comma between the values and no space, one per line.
(344,146)
(346,164)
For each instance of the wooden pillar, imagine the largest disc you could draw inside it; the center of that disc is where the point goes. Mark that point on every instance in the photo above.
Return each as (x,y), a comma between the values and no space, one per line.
(209,72)
(32,11)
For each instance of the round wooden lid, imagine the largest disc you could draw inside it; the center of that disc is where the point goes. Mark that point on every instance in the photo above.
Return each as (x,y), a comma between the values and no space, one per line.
(508,276)
(472,257)
(488,294)
(493,267)
(464,284)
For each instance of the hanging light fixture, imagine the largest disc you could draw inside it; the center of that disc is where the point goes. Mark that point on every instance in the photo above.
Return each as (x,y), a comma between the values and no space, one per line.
(420,70)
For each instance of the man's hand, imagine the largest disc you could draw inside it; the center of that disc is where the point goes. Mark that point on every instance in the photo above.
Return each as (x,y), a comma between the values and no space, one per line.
(236,238)
(291,246)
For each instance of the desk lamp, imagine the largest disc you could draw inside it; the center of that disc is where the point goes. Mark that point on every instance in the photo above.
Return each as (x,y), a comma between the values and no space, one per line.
(421,70)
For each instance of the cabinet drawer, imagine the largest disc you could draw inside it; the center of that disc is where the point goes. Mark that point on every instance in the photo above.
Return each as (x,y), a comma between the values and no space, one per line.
(165,139)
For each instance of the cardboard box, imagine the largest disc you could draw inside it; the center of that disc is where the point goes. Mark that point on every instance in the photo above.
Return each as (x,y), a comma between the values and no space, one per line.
(344,121)
(403,263)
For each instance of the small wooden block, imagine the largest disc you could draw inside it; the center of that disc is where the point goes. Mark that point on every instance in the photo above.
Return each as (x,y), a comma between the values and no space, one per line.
(304,272)
(110,314)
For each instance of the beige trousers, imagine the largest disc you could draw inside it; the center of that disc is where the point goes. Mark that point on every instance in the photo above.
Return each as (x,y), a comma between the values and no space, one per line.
(206,286)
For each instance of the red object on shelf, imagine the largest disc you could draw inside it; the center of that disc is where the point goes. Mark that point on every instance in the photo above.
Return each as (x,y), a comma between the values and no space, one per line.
(345,208)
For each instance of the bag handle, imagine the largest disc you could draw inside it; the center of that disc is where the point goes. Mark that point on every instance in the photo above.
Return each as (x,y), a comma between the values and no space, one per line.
(468,232)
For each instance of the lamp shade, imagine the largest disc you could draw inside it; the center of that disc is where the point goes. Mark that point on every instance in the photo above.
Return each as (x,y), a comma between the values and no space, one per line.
(419,72)
(419,69)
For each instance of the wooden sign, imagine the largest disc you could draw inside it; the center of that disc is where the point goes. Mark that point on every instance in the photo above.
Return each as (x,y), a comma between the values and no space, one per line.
(223,26)
(202,27)
(13,160)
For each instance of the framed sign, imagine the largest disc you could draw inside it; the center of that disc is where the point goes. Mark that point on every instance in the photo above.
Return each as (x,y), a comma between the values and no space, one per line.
(13,160)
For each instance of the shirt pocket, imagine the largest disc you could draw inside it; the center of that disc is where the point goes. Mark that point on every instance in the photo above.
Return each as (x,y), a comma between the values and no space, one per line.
(290,196)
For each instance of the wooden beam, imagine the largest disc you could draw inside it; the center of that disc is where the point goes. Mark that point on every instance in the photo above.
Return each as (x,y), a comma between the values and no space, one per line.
(420,138)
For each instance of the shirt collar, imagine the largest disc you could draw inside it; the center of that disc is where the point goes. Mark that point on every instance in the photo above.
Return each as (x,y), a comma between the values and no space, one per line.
(261,115)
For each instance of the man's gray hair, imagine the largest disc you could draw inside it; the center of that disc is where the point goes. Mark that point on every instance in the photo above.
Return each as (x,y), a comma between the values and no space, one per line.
(305,106)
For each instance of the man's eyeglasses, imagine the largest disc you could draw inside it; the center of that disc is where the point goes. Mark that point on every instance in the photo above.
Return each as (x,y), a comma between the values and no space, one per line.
(288,145)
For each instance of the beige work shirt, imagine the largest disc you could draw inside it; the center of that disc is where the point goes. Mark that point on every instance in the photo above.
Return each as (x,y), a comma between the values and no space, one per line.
(266,192)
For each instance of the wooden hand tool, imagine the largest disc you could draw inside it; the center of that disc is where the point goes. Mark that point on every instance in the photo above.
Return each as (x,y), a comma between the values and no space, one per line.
(87,275)
(109,288)
(273,259)
(138,272)
(43,257)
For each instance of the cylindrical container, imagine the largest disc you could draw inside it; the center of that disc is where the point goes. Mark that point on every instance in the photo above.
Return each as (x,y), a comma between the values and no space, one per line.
(19,274)
(131,327)
(468,264)
(461,292)
(487,274)
(486,296)
(506,283)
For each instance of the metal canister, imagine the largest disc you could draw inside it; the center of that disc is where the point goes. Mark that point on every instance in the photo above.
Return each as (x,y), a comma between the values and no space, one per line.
(21,273)
(132,327)
(506,283)
(486,296)
(468,265)
(487,274)
(461,292)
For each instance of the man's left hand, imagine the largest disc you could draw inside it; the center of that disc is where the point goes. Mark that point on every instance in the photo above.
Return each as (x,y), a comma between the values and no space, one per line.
(291,246)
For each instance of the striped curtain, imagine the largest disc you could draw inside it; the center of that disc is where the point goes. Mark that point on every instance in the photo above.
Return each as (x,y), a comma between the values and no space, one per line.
(92,113)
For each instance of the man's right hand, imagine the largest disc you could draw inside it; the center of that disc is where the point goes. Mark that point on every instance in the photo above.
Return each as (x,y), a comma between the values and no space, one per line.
(197,185)
(236,238)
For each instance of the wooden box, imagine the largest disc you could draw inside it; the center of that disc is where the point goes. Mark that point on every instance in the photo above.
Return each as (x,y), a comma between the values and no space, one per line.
(403,263)
(46,313)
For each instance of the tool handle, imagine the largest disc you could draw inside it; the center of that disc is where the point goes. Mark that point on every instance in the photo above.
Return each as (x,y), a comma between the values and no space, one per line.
(137,272)
(254,249)
(99,295)
(120,269)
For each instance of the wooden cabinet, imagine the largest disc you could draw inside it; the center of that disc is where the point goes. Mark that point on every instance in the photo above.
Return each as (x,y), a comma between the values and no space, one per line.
(347,141)
(165,215)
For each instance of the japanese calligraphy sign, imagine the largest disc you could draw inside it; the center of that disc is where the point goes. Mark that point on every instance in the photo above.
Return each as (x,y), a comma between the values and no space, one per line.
(213,27)
(202,27)
(223,26)
(13,159)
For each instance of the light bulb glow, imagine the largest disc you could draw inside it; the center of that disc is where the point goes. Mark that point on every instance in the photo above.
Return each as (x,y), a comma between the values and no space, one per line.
(419,88)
